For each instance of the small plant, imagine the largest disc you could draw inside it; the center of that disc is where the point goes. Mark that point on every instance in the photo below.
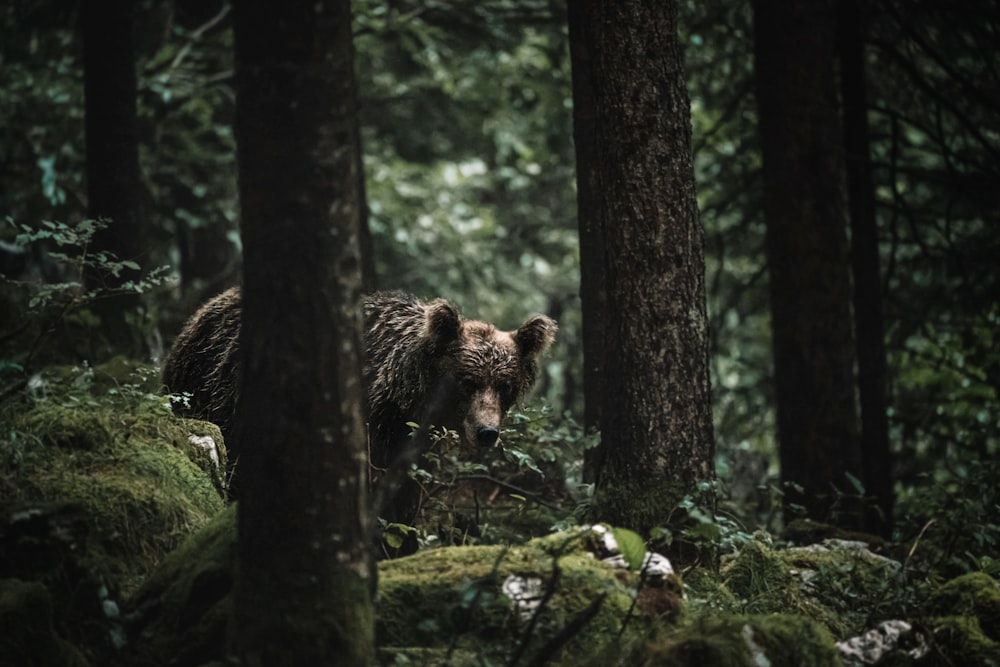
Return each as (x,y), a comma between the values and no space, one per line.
(699,522)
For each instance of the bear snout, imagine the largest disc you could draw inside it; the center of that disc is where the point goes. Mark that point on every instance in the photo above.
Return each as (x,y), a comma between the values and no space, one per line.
(487,436)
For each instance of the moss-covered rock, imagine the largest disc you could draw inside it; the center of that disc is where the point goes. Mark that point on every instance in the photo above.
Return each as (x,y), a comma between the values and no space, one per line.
(963,619)
(498,600)
(98,482)
(974,594)
(960,640)
(778,640)
(802,532)
(841,584)
(179,615)
(136,477)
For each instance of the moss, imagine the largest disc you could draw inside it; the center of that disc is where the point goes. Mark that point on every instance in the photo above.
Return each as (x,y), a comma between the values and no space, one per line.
(136,476)
(778,640)
(808,531)
(181,611)
(845,585)
(98,482)
(960,640)
(707,594)
(760,578)
(975,594)
(443,606)
(453,597)
(839,584)
(27,635)
(639,505)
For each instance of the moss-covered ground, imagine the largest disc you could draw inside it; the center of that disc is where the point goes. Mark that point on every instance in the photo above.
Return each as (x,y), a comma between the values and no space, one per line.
(116,548)
(98,483)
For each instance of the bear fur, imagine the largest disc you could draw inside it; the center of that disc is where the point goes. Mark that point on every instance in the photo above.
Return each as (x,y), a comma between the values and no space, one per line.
(424,364)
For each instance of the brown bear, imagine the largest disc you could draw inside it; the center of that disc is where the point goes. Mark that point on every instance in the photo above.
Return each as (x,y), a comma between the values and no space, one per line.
(424,364)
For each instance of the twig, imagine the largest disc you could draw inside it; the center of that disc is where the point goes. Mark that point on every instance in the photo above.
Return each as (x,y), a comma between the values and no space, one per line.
(568,632)
(913,549)
(522,645)
(13,388)
(533,495)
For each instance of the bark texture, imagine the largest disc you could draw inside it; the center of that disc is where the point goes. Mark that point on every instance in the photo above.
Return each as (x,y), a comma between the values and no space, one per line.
(656,429)
(304,571)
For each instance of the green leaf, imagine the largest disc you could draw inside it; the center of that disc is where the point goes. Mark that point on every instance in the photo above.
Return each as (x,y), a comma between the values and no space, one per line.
(631,545)
(856,483)
(394,534)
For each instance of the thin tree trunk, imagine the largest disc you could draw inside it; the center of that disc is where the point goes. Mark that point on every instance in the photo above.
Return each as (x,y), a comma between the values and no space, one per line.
(656,427)
(593,288)
(111,131)
(304,571)
(868,316)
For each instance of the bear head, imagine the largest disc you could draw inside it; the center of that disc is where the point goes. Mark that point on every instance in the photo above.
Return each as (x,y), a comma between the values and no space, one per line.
(478,371)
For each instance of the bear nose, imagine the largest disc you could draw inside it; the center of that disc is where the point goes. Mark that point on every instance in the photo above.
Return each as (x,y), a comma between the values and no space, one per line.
(487,436)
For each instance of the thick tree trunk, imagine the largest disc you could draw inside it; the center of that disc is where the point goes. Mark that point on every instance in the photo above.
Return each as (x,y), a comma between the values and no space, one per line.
(868,317)
(111,131)
(304,572)
(807,256)
(656,428)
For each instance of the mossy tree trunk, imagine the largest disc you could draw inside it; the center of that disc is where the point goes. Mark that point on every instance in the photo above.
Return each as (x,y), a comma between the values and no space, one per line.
(655,415)
(111,130)
(807,255)
(304,574)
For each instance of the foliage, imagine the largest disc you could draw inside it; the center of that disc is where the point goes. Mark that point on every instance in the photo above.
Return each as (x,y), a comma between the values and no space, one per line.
(518,490)
(951,518)
(39,308)
(931,95)
(719,59)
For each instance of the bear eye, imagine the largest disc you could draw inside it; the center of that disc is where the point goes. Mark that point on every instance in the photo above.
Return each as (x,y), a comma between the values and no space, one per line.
(468,383)
(506,392)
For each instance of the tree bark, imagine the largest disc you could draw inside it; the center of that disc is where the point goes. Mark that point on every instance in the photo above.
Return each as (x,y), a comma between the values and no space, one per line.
(868,316)
(806,244)
(593,281)
(304,573)
(655,417)
(111,131)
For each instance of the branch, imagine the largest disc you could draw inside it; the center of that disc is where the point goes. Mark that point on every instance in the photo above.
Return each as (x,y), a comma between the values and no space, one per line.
(934,94)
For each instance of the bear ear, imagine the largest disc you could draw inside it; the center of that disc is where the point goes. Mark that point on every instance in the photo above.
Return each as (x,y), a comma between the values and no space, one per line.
(535,336)
(443,323)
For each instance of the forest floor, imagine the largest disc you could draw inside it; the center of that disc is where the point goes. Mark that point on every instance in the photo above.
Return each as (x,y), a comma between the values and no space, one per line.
(116,547)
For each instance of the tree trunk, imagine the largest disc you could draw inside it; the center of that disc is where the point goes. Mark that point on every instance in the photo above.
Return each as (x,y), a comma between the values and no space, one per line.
(111,132)
(656,427)
(806,244)
(593,288)
(304,573)
(868,317)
